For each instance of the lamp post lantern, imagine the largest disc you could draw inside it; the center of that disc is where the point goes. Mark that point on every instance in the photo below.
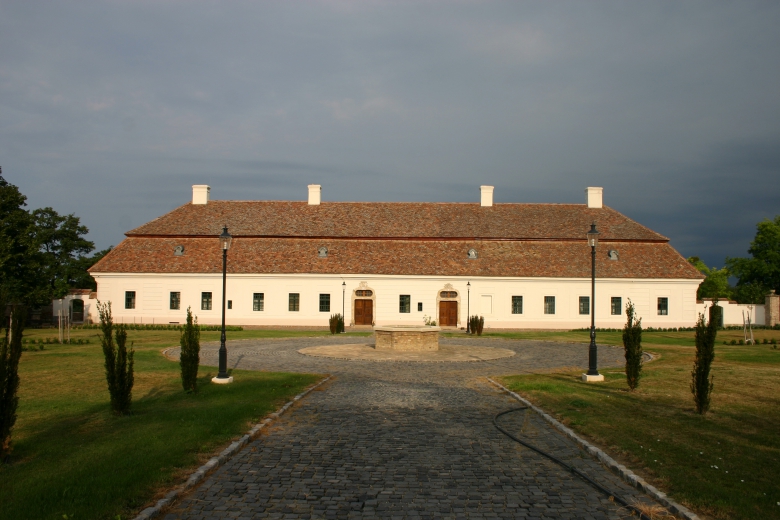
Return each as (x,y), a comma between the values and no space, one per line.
(343,297)
(593,371)
(468,307)
(222,377)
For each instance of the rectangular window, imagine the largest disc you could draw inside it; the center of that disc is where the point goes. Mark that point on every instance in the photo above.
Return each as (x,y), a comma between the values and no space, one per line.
(405,303)
(549,304)
(129,299)
(258,301)
(517,305)
(419,306)
(205,301)
(294,304)
(230,304)
(324,302)
(617,305)
(584,304)
(175,301)
(663,306)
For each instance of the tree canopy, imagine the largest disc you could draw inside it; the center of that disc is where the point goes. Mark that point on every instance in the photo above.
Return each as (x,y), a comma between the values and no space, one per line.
(716,285)
(42,254)
(759,274)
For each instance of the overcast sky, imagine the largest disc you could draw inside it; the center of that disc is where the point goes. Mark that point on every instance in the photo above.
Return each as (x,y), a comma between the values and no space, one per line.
(112,110)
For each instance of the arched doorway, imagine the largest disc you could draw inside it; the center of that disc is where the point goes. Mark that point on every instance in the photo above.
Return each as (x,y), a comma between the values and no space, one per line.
(363,299)
(77,311)
(448,303)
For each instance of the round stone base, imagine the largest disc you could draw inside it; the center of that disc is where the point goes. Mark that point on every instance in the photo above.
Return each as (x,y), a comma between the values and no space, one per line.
(446,353)
(222,380)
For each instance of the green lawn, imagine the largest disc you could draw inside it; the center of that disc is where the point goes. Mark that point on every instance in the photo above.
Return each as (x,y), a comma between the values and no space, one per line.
(725,464)
(73,457)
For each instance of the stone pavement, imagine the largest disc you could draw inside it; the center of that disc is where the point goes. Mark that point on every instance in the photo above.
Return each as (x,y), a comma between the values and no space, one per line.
(404,440)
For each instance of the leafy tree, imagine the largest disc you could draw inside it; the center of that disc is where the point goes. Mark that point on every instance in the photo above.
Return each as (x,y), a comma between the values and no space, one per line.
(79,277)
(716,285)
(19,259)
(63,246)
(632,344)
(189,359)
(118,361)
(759,274)
(701,381)
(10,353)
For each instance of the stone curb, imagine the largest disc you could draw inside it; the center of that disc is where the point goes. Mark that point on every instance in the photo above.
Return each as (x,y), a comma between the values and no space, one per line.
(224,456)
(626,474)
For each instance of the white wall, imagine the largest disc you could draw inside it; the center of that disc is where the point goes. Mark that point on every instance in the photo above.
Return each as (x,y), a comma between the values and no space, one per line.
(734,312)
(90,309)
(490,297)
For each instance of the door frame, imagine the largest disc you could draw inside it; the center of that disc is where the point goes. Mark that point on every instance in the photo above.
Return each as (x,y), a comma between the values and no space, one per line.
(363,286)
(447,287)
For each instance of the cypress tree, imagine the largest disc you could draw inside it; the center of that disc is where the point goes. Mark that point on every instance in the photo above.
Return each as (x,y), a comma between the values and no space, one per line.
(118,361)
(189,360)
(10,353)
(632,344)
(701,381)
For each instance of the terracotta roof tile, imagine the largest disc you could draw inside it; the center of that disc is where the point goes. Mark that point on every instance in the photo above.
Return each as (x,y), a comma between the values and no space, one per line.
(397,257)
(396,220)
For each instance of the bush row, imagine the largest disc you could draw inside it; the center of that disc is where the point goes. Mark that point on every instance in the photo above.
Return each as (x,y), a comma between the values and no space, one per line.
(136,326)
(772,341)
(53,341)
(677,329)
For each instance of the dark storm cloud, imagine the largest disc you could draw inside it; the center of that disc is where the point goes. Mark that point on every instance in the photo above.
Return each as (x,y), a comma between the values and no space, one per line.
(113,110)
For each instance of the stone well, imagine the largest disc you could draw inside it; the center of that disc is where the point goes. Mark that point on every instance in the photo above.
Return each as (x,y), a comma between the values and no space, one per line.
(407,338)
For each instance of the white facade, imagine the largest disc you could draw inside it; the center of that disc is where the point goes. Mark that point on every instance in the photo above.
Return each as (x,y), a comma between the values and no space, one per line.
(65,305)
(488,297)
(735,313)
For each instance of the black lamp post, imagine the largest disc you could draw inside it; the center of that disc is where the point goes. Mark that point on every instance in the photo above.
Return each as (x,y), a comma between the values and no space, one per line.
(468,307)
(593,371)
(343,297)
(222,377)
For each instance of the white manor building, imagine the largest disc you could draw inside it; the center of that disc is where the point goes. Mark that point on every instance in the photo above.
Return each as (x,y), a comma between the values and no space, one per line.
(296,263)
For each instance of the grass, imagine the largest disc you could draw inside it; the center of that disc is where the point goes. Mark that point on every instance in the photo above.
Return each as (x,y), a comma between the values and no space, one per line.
(725,464)
(73,459)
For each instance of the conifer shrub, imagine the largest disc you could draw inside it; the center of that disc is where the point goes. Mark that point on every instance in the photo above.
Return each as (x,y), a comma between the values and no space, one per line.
(632,344)
(476,324)
(189,359)
(118,361)
(701,381)
(10,353)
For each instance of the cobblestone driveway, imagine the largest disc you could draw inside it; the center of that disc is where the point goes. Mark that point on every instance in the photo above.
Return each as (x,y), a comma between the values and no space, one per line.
(404,440)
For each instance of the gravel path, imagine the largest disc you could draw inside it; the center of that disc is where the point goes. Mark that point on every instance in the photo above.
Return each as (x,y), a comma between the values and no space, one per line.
(404,440)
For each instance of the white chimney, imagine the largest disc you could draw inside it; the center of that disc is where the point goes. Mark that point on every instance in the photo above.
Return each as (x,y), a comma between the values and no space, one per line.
(487,195)
(594,197)
(200,193)
(315,194)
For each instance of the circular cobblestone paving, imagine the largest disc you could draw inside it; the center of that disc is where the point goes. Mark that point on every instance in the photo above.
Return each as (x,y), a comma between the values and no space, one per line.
(403,439)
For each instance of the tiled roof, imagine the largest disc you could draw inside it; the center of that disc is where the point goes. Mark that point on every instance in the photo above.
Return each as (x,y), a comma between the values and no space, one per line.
(397,257)
(396,220)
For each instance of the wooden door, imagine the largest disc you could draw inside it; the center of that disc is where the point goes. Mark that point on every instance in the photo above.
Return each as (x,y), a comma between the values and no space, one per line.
(364,312)
(448,314)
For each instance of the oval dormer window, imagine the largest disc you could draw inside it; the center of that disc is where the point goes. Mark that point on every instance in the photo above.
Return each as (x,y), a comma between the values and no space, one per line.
(613,254)
(472,253)
(322,252)
(448,294)
(178,251)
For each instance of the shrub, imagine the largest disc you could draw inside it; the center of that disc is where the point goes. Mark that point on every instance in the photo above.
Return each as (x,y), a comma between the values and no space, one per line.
(632,344)
(733,342)
(118,361)
(189,359)
(774,341)
(10,353)
(336,323)
(701,381)
(741,342)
